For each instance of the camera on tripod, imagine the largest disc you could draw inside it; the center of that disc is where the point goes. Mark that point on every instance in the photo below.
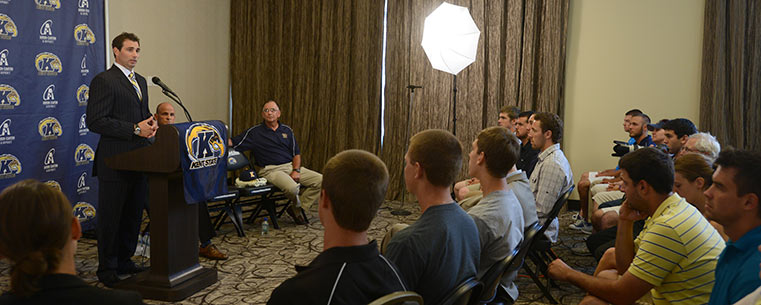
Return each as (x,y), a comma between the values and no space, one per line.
(621,148)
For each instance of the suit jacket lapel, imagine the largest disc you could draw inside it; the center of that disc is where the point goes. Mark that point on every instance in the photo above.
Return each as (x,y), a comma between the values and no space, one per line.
(124,81)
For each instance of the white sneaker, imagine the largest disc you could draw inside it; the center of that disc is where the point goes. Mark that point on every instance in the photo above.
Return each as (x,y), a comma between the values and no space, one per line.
(581,225)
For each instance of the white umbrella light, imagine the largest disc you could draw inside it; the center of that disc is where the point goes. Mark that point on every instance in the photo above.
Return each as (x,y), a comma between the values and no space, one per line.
(450,38)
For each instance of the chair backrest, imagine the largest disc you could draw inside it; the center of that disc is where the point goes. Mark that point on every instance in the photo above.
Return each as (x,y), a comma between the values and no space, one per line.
(464,294)
(399,298)
(236,160)
(556,209)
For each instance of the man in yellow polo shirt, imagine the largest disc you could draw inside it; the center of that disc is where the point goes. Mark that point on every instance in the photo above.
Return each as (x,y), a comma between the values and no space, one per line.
(674,256)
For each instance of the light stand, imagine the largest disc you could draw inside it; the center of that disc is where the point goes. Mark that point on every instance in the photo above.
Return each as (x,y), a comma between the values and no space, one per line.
(399,211)
(454,105)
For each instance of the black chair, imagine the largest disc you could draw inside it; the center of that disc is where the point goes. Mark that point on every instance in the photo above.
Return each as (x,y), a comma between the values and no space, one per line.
(399,298)
(540,250)
(509,264)
(466,293)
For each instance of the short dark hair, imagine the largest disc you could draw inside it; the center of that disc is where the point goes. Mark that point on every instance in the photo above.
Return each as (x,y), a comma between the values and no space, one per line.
(439,154)
(645,118)
(356,182)
(747,164)
(511,111)
(501,150)
(118,41)
(681,127)
(633,112)
(526,114)
(552,122)
(651,165)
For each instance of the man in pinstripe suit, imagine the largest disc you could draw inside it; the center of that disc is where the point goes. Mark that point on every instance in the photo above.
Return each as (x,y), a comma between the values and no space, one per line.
(118,110)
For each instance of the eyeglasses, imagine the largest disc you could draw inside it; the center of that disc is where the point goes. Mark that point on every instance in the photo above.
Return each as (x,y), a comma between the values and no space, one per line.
(271,110)
(689,150)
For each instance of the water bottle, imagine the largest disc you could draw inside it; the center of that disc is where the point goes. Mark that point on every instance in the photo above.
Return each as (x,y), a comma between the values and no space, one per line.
(265,227)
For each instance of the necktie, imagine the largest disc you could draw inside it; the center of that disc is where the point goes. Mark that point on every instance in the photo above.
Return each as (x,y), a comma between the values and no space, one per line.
(134,84)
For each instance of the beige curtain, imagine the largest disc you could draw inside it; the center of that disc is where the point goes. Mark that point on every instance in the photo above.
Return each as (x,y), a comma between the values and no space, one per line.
(520,62)
(320,60)
(730,97)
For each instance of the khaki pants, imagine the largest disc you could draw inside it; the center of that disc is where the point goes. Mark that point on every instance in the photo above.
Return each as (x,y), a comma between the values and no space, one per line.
(280,176)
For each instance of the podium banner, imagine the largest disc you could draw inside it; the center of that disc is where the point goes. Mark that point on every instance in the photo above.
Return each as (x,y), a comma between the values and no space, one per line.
(49,52)
(203,159)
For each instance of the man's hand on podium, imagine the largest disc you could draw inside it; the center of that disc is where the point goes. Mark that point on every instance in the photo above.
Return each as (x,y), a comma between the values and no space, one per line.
(148,127)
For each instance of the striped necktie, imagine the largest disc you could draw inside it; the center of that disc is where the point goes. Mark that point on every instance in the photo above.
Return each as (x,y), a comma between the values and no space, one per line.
(134,84)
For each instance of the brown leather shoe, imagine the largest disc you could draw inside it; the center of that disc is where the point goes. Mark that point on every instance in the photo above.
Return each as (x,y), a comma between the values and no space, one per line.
(295,213)
(211,252)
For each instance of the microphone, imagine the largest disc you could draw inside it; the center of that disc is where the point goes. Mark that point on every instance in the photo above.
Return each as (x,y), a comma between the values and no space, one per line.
(156,80)
(408,87)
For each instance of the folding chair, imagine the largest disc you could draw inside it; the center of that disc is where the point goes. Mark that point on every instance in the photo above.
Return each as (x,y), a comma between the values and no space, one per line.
(399,298)
(509,264)
(466,293)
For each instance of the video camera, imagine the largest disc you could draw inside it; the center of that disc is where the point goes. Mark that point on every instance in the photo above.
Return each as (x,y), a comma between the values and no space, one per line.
(621,148)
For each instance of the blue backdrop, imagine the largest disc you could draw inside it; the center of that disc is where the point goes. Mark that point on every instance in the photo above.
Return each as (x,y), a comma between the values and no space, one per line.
(49,52)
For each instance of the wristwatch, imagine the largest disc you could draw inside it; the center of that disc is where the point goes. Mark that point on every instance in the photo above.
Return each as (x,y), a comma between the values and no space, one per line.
(136,130)
(298,170)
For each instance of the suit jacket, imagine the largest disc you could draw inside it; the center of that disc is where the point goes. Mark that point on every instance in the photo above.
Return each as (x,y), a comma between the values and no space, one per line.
(66,289)
(112,111)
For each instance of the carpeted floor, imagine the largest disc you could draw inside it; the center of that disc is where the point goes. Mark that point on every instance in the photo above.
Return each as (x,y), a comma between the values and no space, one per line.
(258,263)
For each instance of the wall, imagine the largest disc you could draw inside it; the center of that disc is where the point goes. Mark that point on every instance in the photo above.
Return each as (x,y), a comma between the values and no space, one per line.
(622,55)
(184,42)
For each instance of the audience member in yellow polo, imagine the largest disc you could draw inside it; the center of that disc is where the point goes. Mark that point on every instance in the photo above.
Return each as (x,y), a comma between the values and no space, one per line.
(674,256)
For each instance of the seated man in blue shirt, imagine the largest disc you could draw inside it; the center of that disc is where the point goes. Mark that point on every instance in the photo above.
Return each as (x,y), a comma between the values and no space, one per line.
(278,159)
(350,270)
(733,201)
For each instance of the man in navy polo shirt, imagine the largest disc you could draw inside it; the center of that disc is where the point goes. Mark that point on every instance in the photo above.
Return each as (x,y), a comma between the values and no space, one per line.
(733,201)
(278,158)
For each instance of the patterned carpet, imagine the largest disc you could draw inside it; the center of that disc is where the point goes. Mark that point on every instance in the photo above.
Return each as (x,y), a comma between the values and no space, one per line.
(259,264)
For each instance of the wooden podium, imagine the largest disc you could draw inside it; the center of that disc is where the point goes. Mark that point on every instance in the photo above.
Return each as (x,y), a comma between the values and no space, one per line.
(174,273)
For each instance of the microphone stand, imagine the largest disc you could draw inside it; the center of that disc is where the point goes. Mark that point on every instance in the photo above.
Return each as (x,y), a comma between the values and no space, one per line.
(400,211)
(177,100)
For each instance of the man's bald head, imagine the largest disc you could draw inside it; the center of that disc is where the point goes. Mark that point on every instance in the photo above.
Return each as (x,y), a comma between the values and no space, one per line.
(164,114)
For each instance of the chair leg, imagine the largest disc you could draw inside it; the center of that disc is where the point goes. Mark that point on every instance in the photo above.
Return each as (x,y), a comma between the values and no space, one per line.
(269,205)
(535,278)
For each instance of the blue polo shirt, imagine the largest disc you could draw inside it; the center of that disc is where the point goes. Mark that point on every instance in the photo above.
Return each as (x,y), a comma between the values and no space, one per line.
(737,269)
(270,147)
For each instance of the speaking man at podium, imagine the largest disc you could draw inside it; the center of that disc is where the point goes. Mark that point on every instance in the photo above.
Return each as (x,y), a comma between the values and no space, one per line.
(117,109)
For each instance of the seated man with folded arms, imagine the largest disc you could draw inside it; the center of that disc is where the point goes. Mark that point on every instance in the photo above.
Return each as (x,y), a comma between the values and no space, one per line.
(39,234)
(441,249)
(350,270)
(733,202)
(278,159)
(498,216)
(673,257)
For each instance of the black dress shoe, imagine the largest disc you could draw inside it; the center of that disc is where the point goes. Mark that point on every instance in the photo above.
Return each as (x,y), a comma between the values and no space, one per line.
(110,279)
(130,268)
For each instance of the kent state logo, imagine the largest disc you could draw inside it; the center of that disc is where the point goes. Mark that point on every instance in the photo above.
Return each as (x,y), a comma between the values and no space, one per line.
(48,64)
(48,97)
(83,154)
(49,128)
(82,186)
(84,211)
(84,35)
(83,66)
(83,130)
(54,184)
(204,144)
(83,93)
(10,166)
(5,67)
(49,164)
(5,132)
(8,28)
(9,97)
(48,5)
(46,32)
(83,7)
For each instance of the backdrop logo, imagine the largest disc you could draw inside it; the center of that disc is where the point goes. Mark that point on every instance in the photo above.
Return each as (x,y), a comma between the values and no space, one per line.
(6,137)
(84,35)
(50,128)
(204,144)
(46,32)
(83,65)
(83,154)
(5,67)
(83,7)
(8,28)
(48,97)
(49,164)
(84,211)
(48,5)
(82,186)
(83,93)
(54,184)
(9,97)
(48,64)
(10,166)
(83,130)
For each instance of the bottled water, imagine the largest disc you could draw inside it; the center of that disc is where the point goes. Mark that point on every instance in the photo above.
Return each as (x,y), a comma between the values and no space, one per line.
(265,227)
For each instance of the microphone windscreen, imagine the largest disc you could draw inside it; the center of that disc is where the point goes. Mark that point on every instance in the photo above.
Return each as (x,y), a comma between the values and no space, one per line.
(156,80)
